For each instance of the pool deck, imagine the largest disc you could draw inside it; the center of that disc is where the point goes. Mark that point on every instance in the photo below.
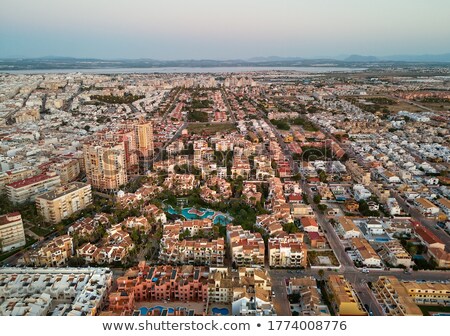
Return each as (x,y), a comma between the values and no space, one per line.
(192,213)
(220,306)
(198,307)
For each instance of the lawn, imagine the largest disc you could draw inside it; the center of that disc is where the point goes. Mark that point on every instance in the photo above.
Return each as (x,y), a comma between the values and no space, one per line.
(40,231)
(434,309)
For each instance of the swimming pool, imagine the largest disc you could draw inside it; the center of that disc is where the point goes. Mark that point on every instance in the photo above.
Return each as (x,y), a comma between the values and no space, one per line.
(220,311)
(441,314)
(193,213)
(145,310)
(382,240)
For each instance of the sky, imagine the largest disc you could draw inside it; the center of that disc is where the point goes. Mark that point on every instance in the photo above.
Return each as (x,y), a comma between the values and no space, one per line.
(225,29)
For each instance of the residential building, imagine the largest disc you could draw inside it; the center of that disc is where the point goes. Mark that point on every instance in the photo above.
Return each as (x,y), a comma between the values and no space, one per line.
(366,253)
(287,251)
(426,207)
(428,293)
(181,244)
(400,298)
(444,203)
(54,253)
(441,257)
(68,170)
(346,302)
(11,176)
(54,291)
(351,205)
(394,298)
(252,293)
(114,248)
(27,190)
(393,207)
(220,285)
(427,237)
(158,283)
(395,254)
(361,193)
(62,202)
(309,224)
(12,234)
(144,140)
(347,228)
(302,210)
(246,248)
(105,164)
(310,302)
(360,174)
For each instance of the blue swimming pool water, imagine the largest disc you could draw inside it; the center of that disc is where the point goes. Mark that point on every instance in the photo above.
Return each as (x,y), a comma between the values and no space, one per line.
(441,314)
(221,311)
(143,311)
(217,217)
(382,240)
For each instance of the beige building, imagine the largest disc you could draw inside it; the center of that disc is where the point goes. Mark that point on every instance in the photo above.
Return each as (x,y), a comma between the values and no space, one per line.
(220,285)
(365,252)
(347,228)
(12,234)
(360,174)
(394,253)
(394,298)
(144,140)
(287,251)
(105,164)
(62,202)
(252,292)
(343,296)
(26,115)
(310,298)
(68,170)
(302,210)
(28,189)
(55,253)
(13,176)
(428,293)
(246,248)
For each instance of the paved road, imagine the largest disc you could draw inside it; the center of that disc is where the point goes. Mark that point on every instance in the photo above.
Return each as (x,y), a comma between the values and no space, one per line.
(427,222)
(227,103)
(280,300)
(358,279)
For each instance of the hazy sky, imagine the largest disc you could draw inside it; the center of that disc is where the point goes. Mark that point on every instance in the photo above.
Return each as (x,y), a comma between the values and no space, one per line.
(222,29)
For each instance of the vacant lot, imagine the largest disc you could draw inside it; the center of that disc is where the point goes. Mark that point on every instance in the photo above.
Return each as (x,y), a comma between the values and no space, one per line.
(322,258)
(195,128)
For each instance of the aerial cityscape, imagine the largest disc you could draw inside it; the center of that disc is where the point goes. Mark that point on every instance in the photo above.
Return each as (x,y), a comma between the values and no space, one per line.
(224,186)
(261,193)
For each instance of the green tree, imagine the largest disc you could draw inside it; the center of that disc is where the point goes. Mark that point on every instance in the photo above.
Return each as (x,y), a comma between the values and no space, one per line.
(321,274)
(322,207)
(317,198)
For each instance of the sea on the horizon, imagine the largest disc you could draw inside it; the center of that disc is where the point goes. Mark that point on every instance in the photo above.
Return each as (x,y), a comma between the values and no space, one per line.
(235,69)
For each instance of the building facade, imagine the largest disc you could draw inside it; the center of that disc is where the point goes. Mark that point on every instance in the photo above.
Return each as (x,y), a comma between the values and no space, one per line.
(28,189)
(105,164)
(58,204)
(12,234)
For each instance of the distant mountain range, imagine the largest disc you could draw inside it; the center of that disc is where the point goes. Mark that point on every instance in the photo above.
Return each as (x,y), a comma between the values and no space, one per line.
(60,62)
(444,58)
